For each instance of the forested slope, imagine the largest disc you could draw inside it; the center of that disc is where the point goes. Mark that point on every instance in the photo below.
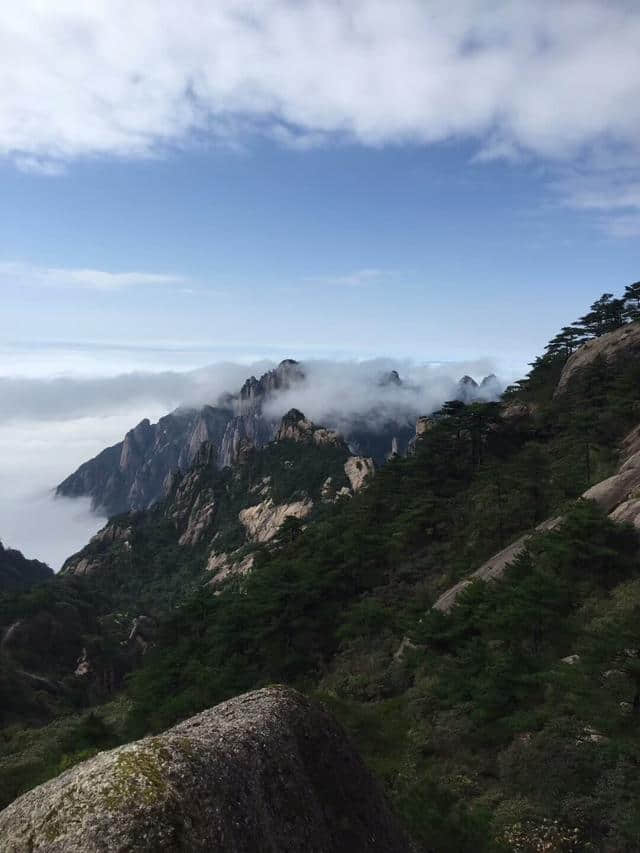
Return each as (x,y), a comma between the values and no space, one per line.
(508,722)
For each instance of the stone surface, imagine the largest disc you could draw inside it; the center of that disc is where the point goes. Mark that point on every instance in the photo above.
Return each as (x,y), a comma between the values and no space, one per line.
(133,474)
(358,469)
(263,521)
(267,771)
(493,568)
(618,495)
(624,341)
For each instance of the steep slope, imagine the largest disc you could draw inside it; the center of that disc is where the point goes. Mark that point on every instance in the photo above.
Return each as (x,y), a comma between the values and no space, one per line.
(16,572)
(266,771)
(219,519)
(623,342)
(134,474)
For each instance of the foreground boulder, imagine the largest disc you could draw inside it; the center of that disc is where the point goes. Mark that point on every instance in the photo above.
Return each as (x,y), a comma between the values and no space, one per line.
(267,771)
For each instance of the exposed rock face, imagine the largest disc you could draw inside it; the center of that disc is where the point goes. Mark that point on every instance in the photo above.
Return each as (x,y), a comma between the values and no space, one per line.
(493,568)
(223,565)
(266,771)
(295,427)
(358,469)
(192,505)
(263,521)
(624,341)
(117,532)
(16,572)
(132,475)
(135,474)
(618,495)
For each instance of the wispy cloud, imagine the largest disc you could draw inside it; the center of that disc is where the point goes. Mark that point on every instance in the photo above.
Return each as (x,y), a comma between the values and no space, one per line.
(87,279)
(357,278)
(611,193)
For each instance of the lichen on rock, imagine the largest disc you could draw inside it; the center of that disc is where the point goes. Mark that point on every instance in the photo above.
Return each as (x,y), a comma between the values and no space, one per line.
(266,771)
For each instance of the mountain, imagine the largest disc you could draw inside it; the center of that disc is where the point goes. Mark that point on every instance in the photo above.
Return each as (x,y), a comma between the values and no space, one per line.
(264,771)
(136,473)
(227,515)
(16,572)
(468,611)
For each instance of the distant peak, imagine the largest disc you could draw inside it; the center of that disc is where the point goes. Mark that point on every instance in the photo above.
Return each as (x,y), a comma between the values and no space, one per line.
(392,377)
(489,380)
(468,380)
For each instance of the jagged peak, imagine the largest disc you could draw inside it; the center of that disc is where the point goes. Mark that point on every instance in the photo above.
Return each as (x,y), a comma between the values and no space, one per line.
(294,426)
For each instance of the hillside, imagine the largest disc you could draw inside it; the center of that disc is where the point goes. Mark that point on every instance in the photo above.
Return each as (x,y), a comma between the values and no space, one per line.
(507,720)
(139,471)
(16,572)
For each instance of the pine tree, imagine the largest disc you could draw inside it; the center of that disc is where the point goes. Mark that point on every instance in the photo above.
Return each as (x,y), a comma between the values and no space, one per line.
(631,301)
(605,315)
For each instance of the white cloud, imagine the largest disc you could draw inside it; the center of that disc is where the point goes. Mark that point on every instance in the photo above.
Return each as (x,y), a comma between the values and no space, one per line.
(50,424)
(128,79)
(531,78)
(88,279)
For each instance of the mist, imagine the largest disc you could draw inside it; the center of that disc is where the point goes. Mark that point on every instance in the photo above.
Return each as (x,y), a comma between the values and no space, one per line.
(49,425)
(335,393)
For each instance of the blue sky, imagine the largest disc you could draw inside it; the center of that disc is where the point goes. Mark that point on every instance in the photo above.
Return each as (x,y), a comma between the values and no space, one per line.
(436,181)
(187,184)
(407,250)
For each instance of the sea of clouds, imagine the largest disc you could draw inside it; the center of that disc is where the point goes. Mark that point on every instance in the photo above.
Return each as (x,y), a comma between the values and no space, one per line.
(53,418)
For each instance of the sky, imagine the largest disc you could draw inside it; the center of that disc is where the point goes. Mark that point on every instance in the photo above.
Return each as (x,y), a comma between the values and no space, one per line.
(196,183)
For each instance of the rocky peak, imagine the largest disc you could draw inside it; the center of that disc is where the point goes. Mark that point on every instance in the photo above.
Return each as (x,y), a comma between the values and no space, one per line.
(255,391)
(295,427)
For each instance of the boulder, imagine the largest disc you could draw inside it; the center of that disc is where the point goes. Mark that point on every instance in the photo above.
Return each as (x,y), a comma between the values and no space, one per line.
(266,771)
(624,341)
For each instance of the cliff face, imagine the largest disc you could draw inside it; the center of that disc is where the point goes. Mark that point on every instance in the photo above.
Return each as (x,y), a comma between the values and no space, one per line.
(231,512)
(132,475)
(623,342)
(265,771)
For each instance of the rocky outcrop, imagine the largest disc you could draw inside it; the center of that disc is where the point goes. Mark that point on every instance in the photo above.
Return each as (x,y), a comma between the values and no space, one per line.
(493,568)
(622,342)
(133,475)
(295,427)
(358,471)
(16,572)
(223,566)
(267,771)
(192,503)
(618,495)
(263,521)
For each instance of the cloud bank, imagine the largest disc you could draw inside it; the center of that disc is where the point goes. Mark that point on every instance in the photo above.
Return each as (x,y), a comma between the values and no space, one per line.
(50,425)
(544,79)
(112,78)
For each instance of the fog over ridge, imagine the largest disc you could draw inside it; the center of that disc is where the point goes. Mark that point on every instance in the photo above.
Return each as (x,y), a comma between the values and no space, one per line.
(50,425)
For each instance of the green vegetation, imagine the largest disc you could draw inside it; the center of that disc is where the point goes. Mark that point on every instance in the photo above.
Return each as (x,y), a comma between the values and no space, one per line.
(510,723)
